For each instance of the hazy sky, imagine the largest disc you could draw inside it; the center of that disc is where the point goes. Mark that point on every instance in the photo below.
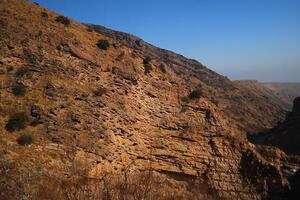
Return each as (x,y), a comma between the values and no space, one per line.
(242,39)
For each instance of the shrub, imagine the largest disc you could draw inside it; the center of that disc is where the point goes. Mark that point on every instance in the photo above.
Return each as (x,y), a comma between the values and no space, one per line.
(99,91)
(19,90)
(216,102)
(147,60)
(120,56)
(16,122)
(25,140)
(148,68)
(196,93)
(162,68)
(44,14)
(62,19)
(103,44)
(89,29)
(9,68)
(21,71)
(147,64)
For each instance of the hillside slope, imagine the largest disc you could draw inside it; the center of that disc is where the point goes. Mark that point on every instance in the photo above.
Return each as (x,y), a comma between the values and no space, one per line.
(80,103)
(248,110)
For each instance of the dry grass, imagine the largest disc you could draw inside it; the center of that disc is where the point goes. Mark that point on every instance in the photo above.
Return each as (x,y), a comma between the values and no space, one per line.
(128,185)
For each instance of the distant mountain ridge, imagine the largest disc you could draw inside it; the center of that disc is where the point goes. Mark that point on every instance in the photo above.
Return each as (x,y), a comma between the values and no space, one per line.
(287,92)
(281,94)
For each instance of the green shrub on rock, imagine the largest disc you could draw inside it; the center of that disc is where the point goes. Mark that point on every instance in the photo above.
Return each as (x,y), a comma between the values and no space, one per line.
(16,122)
(103,44)
(62,19)
(25,140)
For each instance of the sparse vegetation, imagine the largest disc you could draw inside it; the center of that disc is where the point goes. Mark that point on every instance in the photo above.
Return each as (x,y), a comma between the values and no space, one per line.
(147,60)
(196,93)
(64,20)
(127,185)
(19,89)
(17,122)
(120,56)
(9,68)
(99,91)
(22,71)
(35,122)
(162,68)
(25,140)
(103,44)
(89,29)
(216,102)
(148,68)
(44,14)
(147,64)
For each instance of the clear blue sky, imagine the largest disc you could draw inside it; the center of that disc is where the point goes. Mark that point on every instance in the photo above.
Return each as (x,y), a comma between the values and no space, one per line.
(242,39)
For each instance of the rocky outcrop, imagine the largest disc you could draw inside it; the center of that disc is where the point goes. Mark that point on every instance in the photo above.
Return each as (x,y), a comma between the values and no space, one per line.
(94,112)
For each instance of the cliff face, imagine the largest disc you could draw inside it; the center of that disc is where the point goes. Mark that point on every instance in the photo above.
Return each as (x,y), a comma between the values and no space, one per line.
(83,97)
(286,134)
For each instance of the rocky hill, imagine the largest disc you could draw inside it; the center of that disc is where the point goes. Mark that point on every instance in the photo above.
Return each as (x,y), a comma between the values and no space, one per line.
(91,113)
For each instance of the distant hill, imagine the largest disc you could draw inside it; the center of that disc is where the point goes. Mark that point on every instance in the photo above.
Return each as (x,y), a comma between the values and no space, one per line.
(287,92)
(281,94)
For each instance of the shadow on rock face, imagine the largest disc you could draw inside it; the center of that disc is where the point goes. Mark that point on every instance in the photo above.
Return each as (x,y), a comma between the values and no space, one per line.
(292,192)
(296,107)
(265,177)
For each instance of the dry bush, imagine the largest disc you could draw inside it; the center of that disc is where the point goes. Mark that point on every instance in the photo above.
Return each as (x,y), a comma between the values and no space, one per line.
(120,56)
(25,140)
(196,93)
(44,14)
(127,185)
(22,71)
(147,65)
(62,19)
(162,68)
(19,90)
(17,122)
(99,91)
(103,44)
